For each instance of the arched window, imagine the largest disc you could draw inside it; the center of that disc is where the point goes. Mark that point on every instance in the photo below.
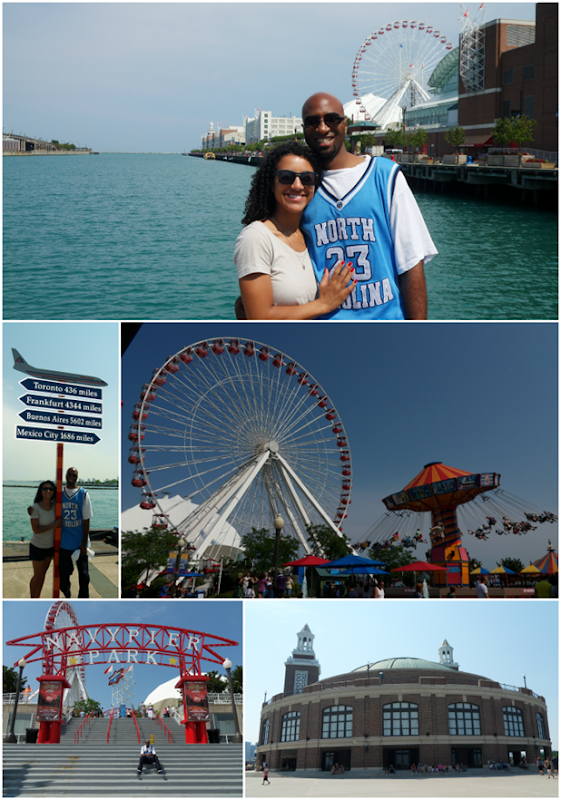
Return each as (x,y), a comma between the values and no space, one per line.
(290,728)
(401,719)
(337,722)
(266,727)
(514,721)
(541,725)
(463,719)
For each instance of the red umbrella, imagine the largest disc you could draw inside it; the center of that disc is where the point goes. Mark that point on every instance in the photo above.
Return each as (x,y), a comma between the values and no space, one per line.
(307,561)
(420,566)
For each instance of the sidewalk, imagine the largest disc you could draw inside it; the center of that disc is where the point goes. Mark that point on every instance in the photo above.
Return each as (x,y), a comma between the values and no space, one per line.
(373,783)
(104,574)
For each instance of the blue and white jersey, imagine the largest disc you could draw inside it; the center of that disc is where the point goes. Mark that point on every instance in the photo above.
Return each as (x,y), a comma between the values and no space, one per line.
(72,519)
(357,228)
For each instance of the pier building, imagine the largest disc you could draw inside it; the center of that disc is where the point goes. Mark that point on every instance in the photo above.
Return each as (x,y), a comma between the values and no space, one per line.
(398,711)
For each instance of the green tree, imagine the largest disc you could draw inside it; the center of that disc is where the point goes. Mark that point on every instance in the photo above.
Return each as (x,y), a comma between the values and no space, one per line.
(10,680)
(455,137)
(502,132)
(394,139)
(523,130)
(325,543)
(89,706)
(217,683)
(511,563)
(419,137)
(393,557)
(237,680)
(144,551)
(259,549)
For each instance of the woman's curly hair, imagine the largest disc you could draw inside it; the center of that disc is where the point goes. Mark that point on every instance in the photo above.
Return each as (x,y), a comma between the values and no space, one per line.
(260,203)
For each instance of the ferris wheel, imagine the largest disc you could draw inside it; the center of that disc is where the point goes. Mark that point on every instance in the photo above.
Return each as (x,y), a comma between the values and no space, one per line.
(240,433)
(63,615)
(395,64)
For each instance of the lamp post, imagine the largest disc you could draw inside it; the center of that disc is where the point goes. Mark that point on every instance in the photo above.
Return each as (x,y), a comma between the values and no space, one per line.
(228,666)
(279,525)
(381,676)
(11,737)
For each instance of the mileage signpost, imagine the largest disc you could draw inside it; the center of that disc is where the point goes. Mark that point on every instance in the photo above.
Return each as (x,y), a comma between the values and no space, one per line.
(65,398)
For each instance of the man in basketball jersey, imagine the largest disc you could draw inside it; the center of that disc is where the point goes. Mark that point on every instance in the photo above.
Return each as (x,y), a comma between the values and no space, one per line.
(76,515)
(364,212)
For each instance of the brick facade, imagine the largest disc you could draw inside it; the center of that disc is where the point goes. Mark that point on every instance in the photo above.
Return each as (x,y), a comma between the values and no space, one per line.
(432,691)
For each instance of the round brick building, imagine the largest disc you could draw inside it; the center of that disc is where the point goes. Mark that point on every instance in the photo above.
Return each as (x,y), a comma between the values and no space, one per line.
(399,711)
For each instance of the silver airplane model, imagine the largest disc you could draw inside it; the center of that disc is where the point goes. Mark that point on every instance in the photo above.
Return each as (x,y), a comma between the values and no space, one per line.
(65,377)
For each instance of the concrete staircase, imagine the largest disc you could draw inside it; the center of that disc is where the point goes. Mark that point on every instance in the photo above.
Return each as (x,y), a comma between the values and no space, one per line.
(94,768)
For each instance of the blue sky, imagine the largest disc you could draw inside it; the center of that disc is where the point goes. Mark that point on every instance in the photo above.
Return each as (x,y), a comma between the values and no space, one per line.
(152,76)
(490,640)
(222,619)
(481,397)
(90,348)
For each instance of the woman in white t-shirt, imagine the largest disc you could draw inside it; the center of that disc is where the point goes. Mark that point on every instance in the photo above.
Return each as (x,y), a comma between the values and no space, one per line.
(43,524)
(277,279)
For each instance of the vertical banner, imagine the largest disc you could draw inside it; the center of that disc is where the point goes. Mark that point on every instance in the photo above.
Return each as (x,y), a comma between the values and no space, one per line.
(49,704)
(197,702)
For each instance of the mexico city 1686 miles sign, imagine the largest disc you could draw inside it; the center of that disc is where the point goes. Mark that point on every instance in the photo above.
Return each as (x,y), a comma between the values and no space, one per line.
(55,435)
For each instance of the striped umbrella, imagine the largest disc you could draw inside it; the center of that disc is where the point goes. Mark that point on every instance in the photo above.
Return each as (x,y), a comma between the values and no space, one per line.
(531,570)
(549,564)
(502,571)
(479,571)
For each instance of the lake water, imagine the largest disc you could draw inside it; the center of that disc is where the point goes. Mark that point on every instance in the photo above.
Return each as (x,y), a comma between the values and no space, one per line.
(151,236)
(17,496)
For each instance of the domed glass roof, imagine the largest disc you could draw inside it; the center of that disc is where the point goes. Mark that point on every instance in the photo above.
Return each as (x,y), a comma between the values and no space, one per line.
(404,663)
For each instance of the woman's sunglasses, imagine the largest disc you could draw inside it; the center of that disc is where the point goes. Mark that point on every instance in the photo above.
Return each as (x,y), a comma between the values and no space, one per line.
(287,177)
(48,489)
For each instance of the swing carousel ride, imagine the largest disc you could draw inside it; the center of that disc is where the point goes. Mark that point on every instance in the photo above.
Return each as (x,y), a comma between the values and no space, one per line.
(448,493)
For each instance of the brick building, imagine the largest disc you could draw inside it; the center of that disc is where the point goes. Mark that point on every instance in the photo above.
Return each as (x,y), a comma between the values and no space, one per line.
(398,711)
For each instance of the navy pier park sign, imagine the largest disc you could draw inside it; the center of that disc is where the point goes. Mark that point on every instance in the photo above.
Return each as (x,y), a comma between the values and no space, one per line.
(62,403)
(55,435)
(50,418)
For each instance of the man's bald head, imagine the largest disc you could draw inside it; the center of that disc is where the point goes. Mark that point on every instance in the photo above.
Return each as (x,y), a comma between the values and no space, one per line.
(323,99)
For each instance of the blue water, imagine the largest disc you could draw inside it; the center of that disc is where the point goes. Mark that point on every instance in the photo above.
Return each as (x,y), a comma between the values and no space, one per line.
(15,520)
(151,236)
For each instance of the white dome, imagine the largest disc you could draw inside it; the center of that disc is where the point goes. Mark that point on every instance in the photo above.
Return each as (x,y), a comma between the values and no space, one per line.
(165,693)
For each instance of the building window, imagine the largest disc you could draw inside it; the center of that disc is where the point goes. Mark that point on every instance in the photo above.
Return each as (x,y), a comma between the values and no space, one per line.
(506,109)
(337,722)
(508,76)
(401,719)
(266,728)
(300,681)
(541,726)
(529,106)
(528,73)
(463,719)
(514,722)
(290,728)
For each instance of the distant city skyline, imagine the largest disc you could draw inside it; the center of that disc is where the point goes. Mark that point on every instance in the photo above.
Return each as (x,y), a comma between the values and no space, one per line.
(115,98)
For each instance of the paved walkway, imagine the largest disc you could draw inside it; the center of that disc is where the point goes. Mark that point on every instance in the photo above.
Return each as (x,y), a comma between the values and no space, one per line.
(104,576)
(373,783)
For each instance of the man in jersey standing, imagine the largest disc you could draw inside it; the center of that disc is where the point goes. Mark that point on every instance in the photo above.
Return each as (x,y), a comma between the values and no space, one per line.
(76,515)
(365,213)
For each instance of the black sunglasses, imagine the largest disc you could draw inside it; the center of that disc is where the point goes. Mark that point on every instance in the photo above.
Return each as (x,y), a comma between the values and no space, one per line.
(47,489)
(332,120)
(287,177)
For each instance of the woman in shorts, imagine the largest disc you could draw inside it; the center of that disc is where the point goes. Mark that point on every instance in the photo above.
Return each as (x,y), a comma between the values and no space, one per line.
(276,275)
(43,524)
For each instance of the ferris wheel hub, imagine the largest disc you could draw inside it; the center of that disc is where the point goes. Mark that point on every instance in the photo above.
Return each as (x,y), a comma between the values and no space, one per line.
(273,446)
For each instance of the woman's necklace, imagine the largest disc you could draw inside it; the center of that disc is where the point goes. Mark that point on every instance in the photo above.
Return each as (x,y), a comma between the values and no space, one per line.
(292,237)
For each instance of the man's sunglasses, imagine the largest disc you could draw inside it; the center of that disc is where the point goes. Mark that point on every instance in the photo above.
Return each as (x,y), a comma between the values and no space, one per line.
(287,177)
(332,120)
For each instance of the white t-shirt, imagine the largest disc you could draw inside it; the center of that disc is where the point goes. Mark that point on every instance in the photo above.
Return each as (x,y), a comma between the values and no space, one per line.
(47,538)
(482,590)
(292,274)
(411,238)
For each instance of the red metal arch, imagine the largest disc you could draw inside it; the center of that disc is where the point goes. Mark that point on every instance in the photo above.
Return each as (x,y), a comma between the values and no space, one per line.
(122,643)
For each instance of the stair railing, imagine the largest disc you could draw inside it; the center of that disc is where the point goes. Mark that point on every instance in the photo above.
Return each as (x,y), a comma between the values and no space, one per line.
(80,731)
(168,734)
(136,725)
(109,726)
